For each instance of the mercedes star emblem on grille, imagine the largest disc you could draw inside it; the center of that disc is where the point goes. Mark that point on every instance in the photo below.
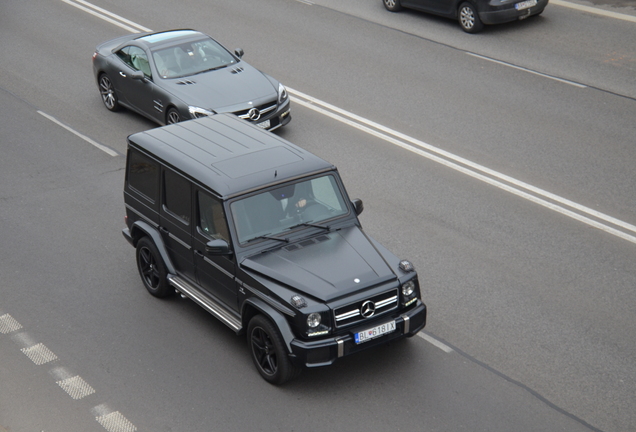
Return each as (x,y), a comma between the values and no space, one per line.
(254,114)
(368,309)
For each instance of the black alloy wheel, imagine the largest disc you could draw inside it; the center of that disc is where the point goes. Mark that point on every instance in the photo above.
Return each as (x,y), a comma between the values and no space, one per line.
(268,352)
(173,116)
(469,18)
(151,268)
(392,5)
(107,91)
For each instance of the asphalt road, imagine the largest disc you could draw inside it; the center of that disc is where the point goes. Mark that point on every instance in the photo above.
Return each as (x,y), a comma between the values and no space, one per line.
(532,310)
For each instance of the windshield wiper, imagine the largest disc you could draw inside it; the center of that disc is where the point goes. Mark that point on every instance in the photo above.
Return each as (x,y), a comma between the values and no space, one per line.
(211,69)
(309,224)
(268,237)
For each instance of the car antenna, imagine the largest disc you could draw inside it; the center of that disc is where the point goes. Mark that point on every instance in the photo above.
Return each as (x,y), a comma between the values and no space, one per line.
(275,173)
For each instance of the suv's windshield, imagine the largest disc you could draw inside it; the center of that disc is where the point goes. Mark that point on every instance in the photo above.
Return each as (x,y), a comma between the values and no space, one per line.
(191,58)
(304,203)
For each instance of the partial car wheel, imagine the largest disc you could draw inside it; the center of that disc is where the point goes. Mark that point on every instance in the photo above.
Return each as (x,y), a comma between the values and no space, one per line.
(173,116)
(268,351)
(392,5)
(469,18)
(107,90)
(152,269)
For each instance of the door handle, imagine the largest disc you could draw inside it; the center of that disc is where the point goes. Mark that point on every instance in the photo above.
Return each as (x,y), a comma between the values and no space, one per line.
(122,74)
(164,230)
(198,252)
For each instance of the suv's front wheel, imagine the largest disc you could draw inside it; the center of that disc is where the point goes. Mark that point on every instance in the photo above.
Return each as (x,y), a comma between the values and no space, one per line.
(151,268)
(268,351)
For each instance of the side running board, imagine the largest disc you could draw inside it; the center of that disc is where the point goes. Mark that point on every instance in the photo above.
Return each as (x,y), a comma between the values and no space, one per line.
(206,302)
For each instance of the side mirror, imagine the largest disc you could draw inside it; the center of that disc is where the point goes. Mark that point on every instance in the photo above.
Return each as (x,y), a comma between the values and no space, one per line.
(239,52)
(357,205)
(138,75)
(217,247)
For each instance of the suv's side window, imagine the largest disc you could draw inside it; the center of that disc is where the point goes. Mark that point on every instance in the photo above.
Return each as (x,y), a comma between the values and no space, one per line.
(143,174)
(212,217)
(177,196)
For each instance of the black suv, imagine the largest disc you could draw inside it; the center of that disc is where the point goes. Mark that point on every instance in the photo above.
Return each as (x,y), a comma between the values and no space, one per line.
(262,234)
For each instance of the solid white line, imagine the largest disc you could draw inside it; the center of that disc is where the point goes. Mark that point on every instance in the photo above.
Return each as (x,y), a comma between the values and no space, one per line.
(572,83)
(106,18)
(476,169)
(84,137)
(594,10)
(435,342)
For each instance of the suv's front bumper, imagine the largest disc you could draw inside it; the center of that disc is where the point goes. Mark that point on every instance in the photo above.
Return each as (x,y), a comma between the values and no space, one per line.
(324,352)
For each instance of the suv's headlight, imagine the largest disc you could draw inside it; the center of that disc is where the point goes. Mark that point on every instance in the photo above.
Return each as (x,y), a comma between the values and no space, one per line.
(282,93)
(313,320)
(197,112)
(408,288)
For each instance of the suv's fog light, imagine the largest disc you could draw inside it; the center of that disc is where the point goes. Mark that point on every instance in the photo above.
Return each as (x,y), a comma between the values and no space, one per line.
(313,320)
(408,288)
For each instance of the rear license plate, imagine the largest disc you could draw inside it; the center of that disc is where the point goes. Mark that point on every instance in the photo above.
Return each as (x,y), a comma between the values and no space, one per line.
(374,332)
(525,4)
(264,125)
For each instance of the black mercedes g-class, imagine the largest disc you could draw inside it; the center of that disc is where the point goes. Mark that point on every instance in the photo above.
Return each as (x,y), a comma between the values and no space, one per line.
(262,234)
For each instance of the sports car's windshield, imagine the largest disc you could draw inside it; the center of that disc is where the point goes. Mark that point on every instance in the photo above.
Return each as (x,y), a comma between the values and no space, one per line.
(304,203)
(191,58)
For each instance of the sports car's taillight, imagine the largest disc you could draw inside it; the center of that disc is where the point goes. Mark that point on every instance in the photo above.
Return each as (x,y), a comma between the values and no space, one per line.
(94,55)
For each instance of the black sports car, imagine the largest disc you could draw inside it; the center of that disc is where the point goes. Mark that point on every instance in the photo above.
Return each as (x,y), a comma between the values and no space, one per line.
(178,75)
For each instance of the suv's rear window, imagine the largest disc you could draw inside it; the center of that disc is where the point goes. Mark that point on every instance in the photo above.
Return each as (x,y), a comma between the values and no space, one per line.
(143,174)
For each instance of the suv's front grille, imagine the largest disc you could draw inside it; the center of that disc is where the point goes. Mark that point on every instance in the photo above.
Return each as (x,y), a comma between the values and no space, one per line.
(355,312)
(262,111)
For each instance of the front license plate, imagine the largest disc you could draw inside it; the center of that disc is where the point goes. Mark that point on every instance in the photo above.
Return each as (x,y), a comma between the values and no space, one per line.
(374,332)
(264,125)
(525,4)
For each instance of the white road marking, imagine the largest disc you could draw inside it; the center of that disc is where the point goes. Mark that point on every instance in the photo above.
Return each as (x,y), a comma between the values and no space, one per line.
(8,324)
(494,178)
(76,387)
(510,65)
(107,16)
(435,342)
(103,148)
(594,10)
(39,354)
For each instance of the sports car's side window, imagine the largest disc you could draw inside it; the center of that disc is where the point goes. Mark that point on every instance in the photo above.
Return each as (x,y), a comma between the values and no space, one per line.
(136,58)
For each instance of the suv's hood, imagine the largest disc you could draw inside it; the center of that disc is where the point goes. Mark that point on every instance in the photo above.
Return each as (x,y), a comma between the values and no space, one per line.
(232,85)
(325,266)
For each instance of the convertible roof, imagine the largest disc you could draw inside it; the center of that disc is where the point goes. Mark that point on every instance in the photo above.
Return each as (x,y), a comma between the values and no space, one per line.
(228,155)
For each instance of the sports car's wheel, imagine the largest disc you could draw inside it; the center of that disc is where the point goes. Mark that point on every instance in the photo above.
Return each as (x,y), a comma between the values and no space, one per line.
(152,269)
(268,351)
(469,19)
(392,5)
(107,92)
(173,116)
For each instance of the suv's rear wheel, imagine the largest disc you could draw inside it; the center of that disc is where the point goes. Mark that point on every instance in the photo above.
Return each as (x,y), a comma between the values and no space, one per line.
(268,351)
(152,269)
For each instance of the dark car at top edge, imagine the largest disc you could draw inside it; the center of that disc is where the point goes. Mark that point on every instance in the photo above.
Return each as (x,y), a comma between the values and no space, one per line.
(473,14)
(177,75)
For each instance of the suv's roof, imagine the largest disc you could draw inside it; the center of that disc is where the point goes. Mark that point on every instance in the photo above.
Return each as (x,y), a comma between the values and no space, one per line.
(227,154)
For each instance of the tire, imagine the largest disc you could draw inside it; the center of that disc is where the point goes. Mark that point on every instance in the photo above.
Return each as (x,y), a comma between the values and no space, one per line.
(107,92)
(469,18)
(173,116)
(269,352)
(392,5)
(152,269)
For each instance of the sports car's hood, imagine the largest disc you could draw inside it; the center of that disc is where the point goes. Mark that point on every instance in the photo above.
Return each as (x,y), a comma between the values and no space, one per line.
(325,266)
(223,88)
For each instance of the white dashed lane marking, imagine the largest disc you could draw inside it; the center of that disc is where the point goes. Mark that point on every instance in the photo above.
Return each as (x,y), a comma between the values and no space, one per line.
(39,354)
(8,324)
